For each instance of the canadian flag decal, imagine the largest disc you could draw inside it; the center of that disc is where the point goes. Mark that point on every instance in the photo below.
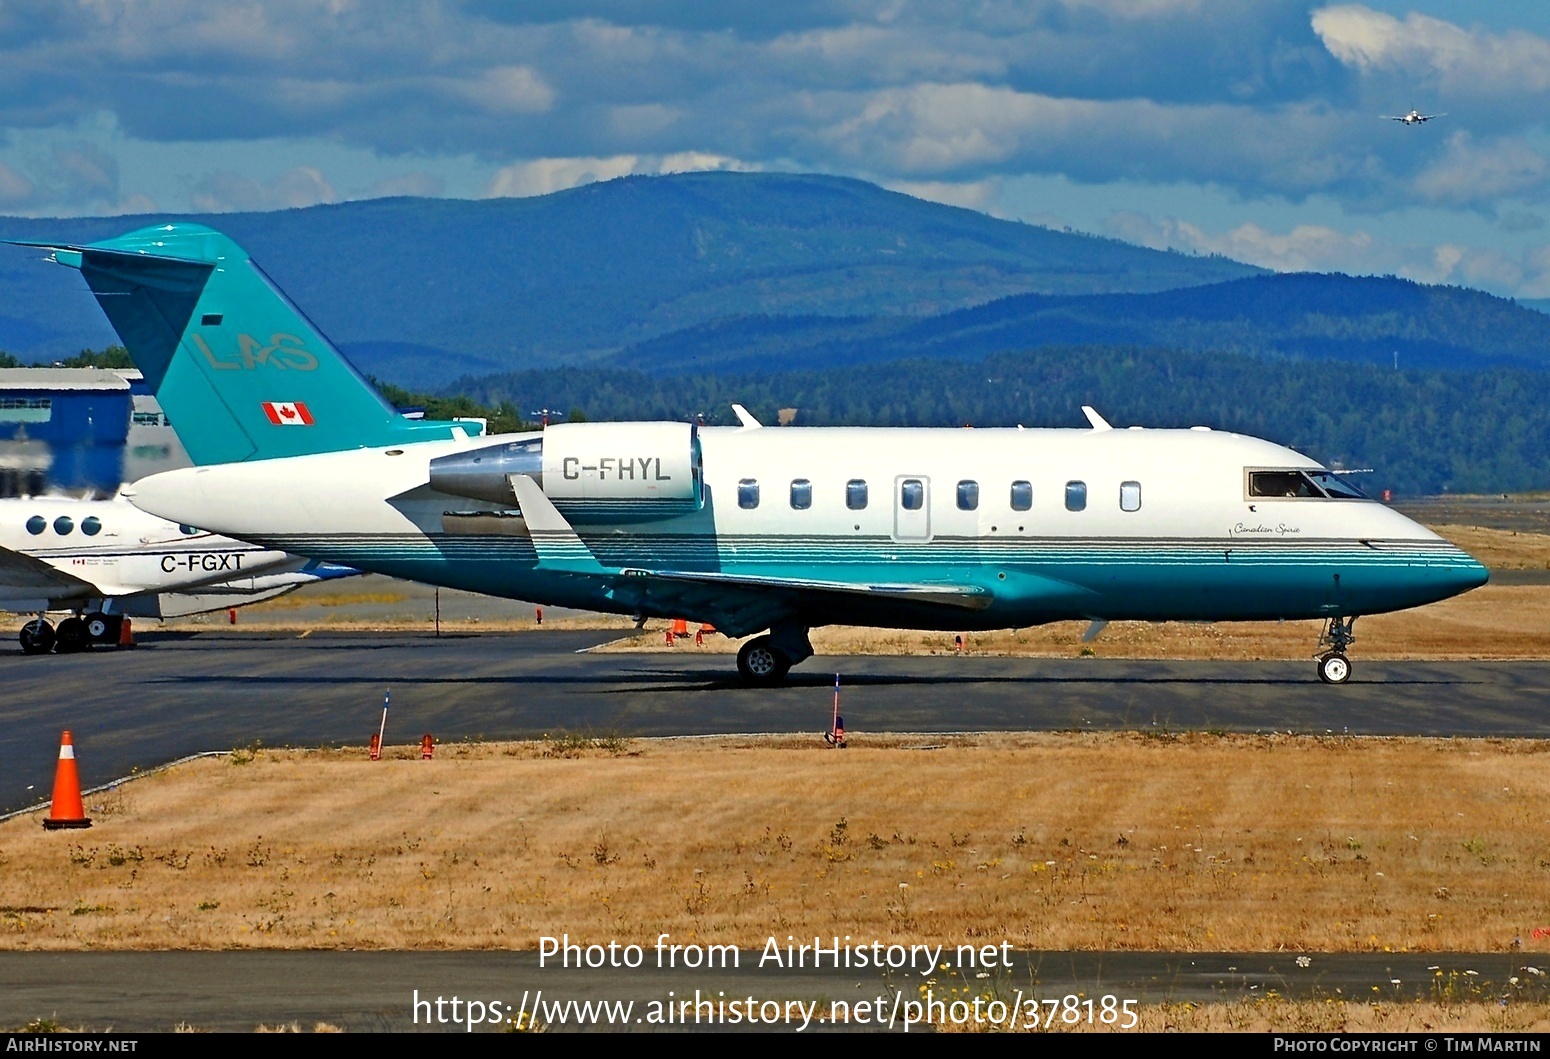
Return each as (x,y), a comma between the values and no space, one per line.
(288,413)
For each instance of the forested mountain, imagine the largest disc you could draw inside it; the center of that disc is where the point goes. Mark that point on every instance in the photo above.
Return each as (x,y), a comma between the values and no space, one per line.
(420,290)
(1420,432)
(1301,315)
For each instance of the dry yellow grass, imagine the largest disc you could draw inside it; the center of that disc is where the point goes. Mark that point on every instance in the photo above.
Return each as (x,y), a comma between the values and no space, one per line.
(1500,549)
(1079,841)
(1494,622)
(1282,1015)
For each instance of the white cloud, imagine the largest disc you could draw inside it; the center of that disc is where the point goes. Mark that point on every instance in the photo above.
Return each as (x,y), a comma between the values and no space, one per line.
(543,175)
(1471,172)
(511,90)
(1318,248)
(981,195)
(1306,248)
(1472,61)
(226,192)
(421,185)
(15,189)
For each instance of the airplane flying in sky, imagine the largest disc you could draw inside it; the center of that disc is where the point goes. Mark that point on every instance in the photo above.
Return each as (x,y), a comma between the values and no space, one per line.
(748,528)
(106,560)
(1415,117)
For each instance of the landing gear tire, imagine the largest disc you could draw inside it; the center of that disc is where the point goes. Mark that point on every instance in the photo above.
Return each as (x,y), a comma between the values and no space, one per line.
(71,636)
(104,628)
(760,662)
(37,637)
(1334,668)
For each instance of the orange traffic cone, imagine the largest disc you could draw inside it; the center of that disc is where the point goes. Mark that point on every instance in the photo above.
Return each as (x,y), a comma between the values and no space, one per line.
(126,634)
(66,810)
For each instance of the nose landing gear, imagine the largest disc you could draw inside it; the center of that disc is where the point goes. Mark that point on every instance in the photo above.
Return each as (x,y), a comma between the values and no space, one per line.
(1334,666)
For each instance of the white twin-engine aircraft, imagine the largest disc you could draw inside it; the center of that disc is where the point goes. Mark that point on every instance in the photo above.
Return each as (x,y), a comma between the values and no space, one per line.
(748,528)
(105,560)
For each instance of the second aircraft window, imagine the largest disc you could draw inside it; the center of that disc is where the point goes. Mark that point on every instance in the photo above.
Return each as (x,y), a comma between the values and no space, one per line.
(968,496)
(801,494)
(748,493)
(855,494)
(1022,496)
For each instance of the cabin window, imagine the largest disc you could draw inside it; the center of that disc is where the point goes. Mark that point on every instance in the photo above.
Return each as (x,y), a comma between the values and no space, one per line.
(801,494)
(855,494)
(188,531)
(36,525)
(64,524)
(1130,496)
(1076,496)
(968,496)
(748,494)
(91,526)
(912,494)
(1022,496)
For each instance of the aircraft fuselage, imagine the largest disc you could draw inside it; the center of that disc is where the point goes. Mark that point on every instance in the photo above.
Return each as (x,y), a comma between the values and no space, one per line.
(1044,524)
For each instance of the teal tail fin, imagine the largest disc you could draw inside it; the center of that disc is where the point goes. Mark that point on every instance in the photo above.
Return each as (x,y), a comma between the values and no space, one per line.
(239,370)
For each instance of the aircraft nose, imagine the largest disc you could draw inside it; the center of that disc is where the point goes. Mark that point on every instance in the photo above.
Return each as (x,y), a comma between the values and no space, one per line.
(1463,573)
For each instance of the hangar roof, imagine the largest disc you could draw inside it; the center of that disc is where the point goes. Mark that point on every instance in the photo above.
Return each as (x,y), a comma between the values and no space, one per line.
(57,379)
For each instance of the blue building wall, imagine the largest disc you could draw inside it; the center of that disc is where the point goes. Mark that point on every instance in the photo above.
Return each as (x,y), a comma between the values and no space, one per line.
(62,439)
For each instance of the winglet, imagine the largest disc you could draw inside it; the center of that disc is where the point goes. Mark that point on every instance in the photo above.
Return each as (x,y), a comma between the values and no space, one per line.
(555,541)
(1098,422)
(745,417)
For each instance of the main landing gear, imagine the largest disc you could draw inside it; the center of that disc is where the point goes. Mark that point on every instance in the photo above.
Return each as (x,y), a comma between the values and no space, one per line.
(1334,666)
(78,632)
(765,660)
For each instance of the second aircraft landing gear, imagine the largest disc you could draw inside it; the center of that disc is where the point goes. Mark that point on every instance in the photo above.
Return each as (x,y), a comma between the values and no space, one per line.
(37,637)
(76,633)
(1334,666)
(71,636)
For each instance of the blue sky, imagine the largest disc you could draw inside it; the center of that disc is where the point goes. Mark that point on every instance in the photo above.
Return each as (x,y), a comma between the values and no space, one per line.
(1251,128)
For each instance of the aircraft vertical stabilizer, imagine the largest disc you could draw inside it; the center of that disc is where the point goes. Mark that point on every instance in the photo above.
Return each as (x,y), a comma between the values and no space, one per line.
(239,370)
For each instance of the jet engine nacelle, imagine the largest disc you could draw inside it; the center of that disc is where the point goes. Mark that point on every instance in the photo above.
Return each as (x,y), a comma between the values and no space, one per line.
(593,472)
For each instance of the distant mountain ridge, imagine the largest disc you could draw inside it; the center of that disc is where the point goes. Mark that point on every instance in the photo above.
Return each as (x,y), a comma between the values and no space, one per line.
(1309,316)
(421,290)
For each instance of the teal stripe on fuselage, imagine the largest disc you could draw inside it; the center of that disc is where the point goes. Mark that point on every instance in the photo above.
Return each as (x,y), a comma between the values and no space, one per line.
(1032,580)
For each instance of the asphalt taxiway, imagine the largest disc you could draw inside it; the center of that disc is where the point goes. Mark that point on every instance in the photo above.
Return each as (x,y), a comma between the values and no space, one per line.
(236,990)
(182,693)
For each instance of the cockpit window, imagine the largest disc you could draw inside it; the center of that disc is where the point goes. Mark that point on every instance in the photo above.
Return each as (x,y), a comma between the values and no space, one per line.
(1337,487)
(1282,483)
(1316,485)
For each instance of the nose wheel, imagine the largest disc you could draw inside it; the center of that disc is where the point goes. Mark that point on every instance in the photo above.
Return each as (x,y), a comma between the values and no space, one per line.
(1334,666)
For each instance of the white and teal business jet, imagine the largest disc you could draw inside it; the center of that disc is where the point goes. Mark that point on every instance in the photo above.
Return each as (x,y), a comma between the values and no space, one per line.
(754,530)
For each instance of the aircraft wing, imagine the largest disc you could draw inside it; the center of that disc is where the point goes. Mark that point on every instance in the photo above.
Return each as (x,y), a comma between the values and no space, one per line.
(739,604)
(22,575)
